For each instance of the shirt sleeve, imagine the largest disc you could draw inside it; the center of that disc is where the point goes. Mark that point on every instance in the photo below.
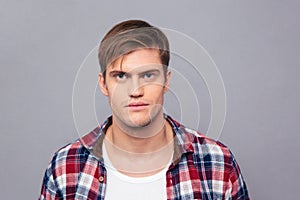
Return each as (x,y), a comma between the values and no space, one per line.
(238,189)
(49,188)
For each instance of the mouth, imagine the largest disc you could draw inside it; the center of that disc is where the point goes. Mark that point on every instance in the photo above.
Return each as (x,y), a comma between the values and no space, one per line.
(137,106)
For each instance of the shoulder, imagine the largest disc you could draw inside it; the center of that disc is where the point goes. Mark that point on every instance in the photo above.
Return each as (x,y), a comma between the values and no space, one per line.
(213,160)
(68,151)
(66,168)
(68,157)
(218,164)
(202,146)
(206,145)
(209,152)
(76,152)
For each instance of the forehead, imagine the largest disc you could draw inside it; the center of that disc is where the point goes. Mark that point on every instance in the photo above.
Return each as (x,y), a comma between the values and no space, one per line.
(141,59)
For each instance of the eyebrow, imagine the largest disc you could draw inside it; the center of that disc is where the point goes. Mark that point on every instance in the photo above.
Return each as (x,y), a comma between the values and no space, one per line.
(143,72)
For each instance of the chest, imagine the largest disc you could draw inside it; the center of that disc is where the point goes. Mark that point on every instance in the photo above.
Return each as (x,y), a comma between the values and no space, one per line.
(182,181)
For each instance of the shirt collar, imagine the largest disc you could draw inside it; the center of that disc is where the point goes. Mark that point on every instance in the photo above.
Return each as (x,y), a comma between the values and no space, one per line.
(183,140)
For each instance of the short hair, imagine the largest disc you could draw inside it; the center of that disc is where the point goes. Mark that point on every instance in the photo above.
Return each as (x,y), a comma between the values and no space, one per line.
(129,36)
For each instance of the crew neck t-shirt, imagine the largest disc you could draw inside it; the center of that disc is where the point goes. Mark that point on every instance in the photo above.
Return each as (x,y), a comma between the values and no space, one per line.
(121,186)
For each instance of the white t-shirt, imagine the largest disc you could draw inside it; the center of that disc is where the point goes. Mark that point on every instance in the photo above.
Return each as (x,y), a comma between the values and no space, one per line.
(121,186)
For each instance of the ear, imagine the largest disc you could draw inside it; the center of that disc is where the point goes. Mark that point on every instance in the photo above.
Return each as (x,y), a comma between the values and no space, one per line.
(102,84)
(167,81)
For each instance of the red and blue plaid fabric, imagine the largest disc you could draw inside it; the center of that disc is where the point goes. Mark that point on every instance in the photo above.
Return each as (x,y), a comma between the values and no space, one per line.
(202,169)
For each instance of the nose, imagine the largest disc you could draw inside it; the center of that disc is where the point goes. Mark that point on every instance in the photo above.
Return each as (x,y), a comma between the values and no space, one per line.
(136,89)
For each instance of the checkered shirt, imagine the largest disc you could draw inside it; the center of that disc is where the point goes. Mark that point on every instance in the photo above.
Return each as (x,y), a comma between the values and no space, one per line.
(201,169)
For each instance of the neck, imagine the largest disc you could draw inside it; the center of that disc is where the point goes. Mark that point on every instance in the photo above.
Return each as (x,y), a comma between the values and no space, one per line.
(140,139)
(136,156)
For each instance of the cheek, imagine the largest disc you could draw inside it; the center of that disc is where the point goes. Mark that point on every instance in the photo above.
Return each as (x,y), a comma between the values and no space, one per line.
(115,90)
(120,87)
(117,95)
(156,93)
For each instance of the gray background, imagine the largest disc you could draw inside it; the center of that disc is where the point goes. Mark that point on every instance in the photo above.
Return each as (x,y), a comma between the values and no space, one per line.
(255,45)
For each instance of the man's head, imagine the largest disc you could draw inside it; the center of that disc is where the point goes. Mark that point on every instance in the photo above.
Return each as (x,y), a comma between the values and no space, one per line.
(129,36)
(134,58)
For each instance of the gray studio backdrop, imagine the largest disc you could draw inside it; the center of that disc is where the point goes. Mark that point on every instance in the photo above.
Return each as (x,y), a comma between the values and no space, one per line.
(255,45)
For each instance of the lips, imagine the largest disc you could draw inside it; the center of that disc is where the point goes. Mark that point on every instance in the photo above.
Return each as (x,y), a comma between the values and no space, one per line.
(136,106)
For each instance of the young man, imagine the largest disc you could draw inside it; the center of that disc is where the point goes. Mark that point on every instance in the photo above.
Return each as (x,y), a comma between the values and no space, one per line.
(140,152)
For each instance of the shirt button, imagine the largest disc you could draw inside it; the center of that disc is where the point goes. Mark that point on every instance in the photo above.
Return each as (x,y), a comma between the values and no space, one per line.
(101,178)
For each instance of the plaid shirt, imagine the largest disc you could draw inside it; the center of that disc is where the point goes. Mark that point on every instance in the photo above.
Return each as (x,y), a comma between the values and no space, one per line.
(201,169)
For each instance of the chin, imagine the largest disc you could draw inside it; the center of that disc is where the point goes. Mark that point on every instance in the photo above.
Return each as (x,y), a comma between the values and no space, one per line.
(139,123)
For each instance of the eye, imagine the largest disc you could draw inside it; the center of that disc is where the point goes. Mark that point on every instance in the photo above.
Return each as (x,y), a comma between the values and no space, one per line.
(120,76)
(148,75)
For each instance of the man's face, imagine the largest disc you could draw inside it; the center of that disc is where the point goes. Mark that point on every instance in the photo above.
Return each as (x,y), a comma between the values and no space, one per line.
(135,85)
